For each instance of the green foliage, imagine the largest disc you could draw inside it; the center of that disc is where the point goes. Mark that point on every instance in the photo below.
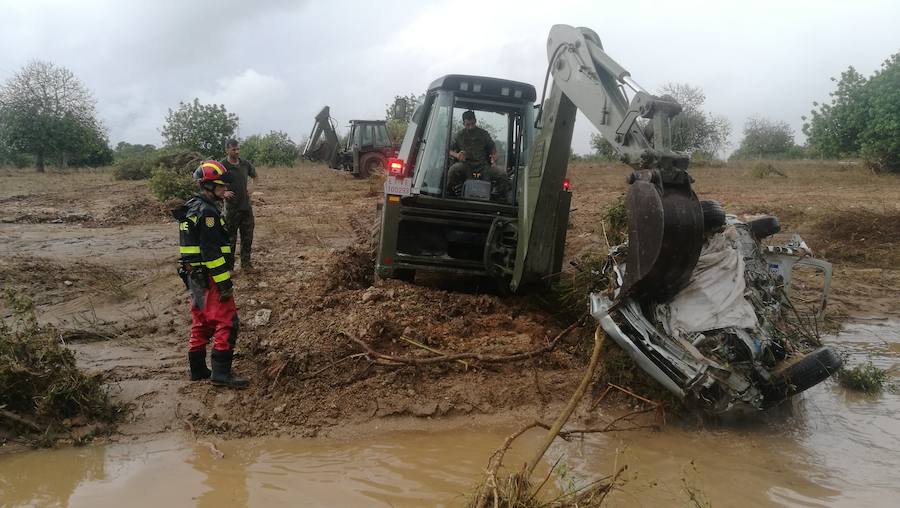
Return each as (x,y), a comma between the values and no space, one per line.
(693,129)
(46,112)
(199,127)
(865,378)
(765,170)
(399,113)
(133,169)
(167,183)
(402,107)
(767,139)
(396,130)
(603,149)
(128,151)
(863,118)
(272,149)
(40,379)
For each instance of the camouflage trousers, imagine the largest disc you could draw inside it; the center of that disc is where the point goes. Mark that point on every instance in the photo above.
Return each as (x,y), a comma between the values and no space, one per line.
(240,222)
(461,171)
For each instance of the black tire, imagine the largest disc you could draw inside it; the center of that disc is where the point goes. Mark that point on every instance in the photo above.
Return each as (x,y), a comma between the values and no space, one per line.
(764,227)
(812,369)
(713,214)
(405,274)
(369,164)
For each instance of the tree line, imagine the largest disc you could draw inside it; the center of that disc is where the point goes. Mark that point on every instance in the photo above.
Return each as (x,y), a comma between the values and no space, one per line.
(48,116)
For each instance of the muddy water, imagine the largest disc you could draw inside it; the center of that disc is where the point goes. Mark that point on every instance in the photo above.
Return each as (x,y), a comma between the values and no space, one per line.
(832,448)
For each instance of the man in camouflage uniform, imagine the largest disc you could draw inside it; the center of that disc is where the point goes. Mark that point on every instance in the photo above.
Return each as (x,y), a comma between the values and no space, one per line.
(475,153)
(238,212)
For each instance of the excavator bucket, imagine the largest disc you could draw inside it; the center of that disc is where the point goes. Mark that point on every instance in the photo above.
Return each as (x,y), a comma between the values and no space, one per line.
(665,234)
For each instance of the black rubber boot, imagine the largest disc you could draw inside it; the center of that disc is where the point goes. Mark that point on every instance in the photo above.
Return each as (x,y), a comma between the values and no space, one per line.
(221,370)
(197,361)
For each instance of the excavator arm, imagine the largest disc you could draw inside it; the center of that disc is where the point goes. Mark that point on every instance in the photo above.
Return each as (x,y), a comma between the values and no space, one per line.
(323,140)
(665,221)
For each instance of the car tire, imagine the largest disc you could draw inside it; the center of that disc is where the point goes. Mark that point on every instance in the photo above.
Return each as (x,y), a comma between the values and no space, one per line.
(764,227)
(369,164)
(405,274)
(713,214)
(812,369)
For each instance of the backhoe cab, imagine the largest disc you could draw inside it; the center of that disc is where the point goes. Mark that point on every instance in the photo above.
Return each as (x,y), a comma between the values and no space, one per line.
(364,152)
(470,228)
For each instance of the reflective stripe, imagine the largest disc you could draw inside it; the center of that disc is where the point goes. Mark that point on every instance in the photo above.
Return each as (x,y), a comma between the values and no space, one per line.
(189,250)
(193,218)
(226,249)
(183,226)
(215,263)
(221,277)
(222,221)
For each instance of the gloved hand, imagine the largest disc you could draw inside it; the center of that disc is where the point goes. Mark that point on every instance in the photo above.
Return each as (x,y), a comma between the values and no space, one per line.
(226,294)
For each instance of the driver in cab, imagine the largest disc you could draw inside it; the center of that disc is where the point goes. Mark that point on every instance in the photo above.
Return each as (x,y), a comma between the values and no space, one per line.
(475,153)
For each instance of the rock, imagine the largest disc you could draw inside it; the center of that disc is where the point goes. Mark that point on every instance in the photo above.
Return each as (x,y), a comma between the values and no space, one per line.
(424,408)
(261,318)
(262,284)
(370,294)
(279,408)
(68,282)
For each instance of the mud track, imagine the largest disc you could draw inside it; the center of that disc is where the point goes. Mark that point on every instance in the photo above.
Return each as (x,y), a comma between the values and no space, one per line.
(98,257)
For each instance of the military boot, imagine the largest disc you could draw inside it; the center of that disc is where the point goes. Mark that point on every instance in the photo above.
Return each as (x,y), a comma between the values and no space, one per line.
(197,361)
(221,370)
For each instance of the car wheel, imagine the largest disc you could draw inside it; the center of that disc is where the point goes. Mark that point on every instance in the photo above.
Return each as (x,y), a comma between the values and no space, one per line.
(812,369)
(764,227)
(713,214)
(405,274)
(370,164)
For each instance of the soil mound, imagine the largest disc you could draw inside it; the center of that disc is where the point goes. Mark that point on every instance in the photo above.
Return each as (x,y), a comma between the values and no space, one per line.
(859,236)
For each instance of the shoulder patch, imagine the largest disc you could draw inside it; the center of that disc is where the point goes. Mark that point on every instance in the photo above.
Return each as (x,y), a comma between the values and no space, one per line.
(210,222)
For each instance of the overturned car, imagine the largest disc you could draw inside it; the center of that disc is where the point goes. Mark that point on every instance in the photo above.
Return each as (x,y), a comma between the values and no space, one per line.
(720,343)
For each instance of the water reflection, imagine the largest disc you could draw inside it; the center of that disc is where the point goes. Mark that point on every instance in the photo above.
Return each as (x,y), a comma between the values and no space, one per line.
(830,448)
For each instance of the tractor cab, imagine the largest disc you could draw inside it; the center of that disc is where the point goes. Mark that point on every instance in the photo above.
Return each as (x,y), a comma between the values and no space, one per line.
(367,147)
(458,214)
(503,110)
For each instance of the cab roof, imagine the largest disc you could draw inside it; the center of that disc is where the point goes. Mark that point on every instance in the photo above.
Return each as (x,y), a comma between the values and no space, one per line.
(495,88)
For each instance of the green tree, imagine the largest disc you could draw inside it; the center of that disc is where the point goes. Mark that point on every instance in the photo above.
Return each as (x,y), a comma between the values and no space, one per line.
(273,149)
(863,118)
(694,130)
(603,149)
(126,150)
(45,111)
(767,139)
(398,114)
(199,127)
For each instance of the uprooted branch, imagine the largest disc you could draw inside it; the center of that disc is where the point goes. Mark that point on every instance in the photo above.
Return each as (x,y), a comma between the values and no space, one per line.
(480,357)
(516,490)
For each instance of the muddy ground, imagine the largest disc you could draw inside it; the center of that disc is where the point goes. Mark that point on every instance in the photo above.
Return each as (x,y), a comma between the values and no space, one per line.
(98,257)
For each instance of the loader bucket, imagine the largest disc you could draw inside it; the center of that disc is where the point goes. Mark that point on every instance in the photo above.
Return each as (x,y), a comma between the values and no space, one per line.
(665,234)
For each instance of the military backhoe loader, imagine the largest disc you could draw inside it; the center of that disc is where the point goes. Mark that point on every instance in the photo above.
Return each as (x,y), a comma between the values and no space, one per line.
(364,153)
(517,237)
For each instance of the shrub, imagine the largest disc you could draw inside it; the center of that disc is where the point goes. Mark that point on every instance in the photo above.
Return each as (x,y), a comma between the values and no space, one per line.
(765,170)
(272,149)
(42,385)
(864,378)
(167,184)
(133,169)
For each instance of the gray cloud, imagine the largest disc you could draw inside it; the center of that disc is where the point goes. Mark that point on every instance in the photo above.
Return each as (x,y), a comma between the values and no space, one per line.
(276,63)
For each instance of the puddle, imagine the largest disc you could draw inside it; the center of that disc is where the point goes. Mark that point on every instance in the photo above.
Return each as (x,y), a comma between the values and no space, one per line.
(832,448)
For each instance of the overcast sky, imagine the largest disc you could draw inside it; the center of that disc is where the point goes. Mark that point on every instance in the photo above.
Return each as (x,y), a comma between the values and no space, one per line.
(276,63)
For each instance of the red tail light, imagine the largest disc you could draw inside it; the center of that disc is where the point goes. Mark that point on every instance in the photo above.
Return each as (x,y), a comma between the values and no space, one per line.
(396,167)
(566,185)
